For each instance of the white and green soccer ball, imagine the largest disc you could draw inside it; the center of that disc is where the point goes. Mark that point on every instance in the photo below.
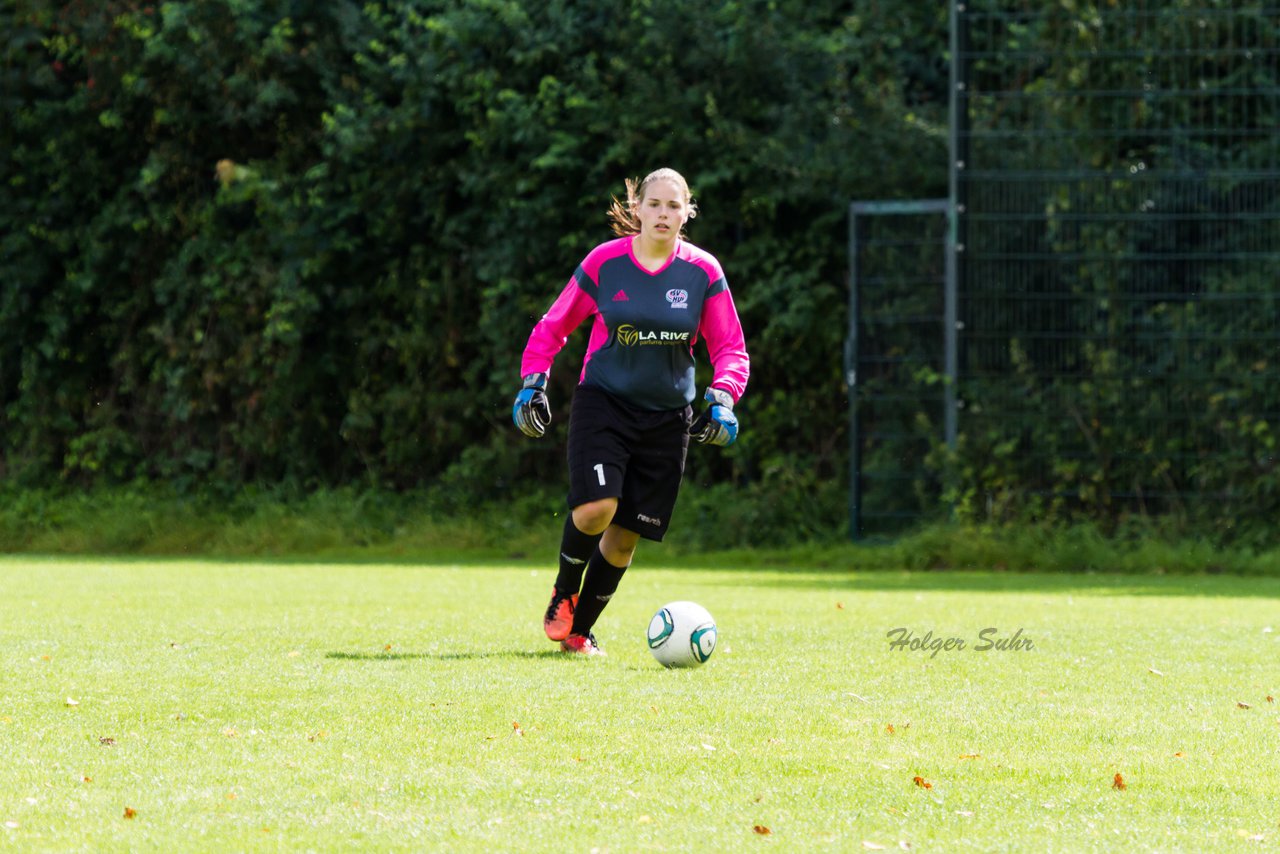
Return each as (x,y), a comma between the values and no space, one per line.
(682,634)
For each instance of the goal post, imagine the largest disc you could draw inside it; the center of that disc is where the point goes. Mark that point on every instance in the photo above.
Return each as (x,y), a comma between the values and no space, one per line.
(900,358)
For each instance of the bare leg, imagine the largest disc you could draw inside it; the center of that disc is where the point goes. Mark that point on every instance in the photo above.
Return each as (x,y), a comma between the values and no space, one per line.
(618,545)
(594,516)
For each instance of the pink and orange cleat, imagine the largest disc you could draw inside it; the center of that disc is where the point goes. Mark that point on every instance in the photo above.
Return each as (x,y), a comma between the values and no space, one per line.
(559,619)
(582,645)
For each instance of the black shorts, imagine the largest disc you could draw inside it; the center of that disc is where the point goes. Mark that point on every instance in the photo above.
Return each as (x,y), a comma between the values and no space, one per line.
(634,455)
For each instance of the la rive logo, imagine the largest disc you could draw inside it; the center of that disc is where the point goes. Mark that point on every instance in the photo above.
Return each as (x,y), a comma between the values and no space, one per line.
(678,297)
(629,336)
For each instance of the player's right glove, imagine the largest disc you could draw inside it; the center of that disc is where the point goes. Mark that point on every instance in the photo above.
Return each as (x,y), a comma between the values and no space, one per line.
(531,411)
(717,425)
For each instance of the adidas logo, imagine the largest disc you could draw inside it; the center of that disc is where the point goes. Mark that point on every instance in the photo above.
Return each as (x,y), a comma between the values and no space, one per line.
(621,296)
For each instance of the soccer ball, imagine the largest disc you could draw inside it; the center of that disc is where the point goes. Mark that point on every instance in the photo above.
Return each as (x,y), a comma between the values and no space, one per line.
(682,634)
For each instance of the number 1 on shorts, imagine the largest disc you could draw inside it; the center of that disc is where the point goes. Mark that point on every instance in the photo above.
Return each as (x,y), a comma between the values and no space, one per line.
(599,467)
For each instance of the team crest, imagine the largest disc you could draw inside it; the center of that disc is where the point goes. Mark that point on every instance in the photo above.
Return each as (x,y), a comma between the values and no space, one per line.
(678,297)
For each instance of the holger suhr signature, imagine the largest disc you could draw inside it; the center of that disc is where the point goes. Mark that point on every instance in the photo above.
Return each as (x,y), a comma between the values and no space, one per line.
(903,639)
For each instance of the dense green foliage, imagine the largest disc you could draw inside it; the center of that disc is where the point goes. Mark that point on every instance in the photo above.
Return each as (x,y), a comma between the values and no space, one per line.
(282,241)
(1118,230)
(369,526)
(300,246)
(1120,298)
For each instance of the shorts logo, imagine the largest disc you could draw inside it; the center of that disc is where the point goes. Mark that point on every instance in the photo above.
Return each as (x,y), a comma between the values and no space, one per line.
(678,297)
(648,520)
(629,336)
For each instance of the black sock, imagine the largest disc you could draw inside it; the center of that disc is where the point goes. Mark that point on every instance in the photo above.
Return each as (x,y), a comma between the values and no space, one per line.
(576,548)
(599,587)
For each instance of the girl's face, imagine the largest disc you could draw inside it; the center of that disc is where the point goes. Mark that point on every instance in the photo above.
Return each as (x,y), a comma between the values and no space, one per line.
(663,212)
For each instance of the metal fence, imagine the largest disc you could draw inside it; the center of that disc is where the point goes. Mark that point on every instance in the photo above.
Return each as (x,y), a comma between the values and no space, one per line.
(899,351)
(1116,226)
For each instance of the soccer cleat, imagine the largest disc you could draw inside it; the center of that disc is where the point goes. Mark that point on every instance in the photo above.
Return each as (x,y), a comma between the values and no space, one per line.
(582,645)
(559,618)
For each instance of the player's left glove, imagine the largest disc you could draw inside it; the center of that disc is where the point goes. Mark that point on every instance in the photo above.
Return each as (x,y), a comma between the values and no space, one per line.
(717,425)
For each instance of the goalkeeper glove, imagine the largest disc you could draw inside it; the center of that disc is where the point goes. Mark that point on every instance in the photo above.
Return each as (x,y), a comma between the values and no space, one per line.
(717,425)
(531,411)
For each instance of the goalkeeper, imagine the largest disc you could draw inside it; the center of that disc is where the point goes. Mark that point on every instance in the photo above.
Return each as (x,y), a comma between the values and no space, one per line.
(651,295)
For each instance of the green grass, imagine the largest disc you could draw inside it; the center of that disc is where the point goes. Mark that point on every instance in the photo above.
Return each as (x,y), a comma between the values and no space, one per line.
(259,706)
(348,524)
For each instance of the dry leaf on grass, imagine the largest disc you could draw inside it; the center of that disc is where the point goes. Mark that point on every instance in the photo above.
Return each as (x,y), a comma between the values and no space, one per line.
(761,830)
(1118,782)
(130,812)
(1241,705)
(922,782)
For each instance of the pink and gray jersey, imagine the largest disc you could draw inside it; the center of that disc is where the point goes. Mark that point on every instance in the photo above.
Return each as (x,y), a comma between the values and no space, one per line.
(646,323)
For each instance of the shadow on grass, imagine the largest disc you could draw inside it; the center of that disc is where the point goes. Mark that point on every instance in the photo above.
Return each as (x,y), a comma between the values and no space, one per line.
(1082,583)
(446,656)
(766,569)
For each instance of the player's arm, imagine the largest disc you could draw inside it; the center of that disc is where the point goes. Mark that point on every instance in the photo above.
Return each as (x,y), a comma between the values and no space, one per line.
(731,366)
(531,411)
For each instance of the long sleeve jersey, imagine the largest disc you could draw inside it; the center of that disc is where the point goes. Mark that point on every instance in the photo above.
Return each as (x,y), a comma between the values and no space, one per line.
(646,323)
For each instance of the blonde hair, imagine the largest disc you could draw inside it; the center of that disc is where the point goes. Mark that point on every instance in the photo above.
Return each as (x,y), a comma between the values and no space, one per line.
(622,215)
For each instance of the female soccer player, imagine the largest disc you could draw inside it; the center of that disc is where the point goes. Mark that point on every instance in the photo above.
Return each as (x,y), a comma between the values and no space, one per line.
(653,295)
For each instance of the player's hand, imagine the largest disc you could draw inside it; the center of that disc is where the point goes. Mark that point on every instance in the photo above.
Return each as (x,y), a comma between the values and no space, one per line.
(717,425)
(531,411)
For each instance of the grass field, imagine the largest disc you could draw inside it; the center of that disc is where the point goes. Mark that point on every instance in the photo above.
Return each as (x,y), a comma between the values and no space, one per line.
(254,706)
